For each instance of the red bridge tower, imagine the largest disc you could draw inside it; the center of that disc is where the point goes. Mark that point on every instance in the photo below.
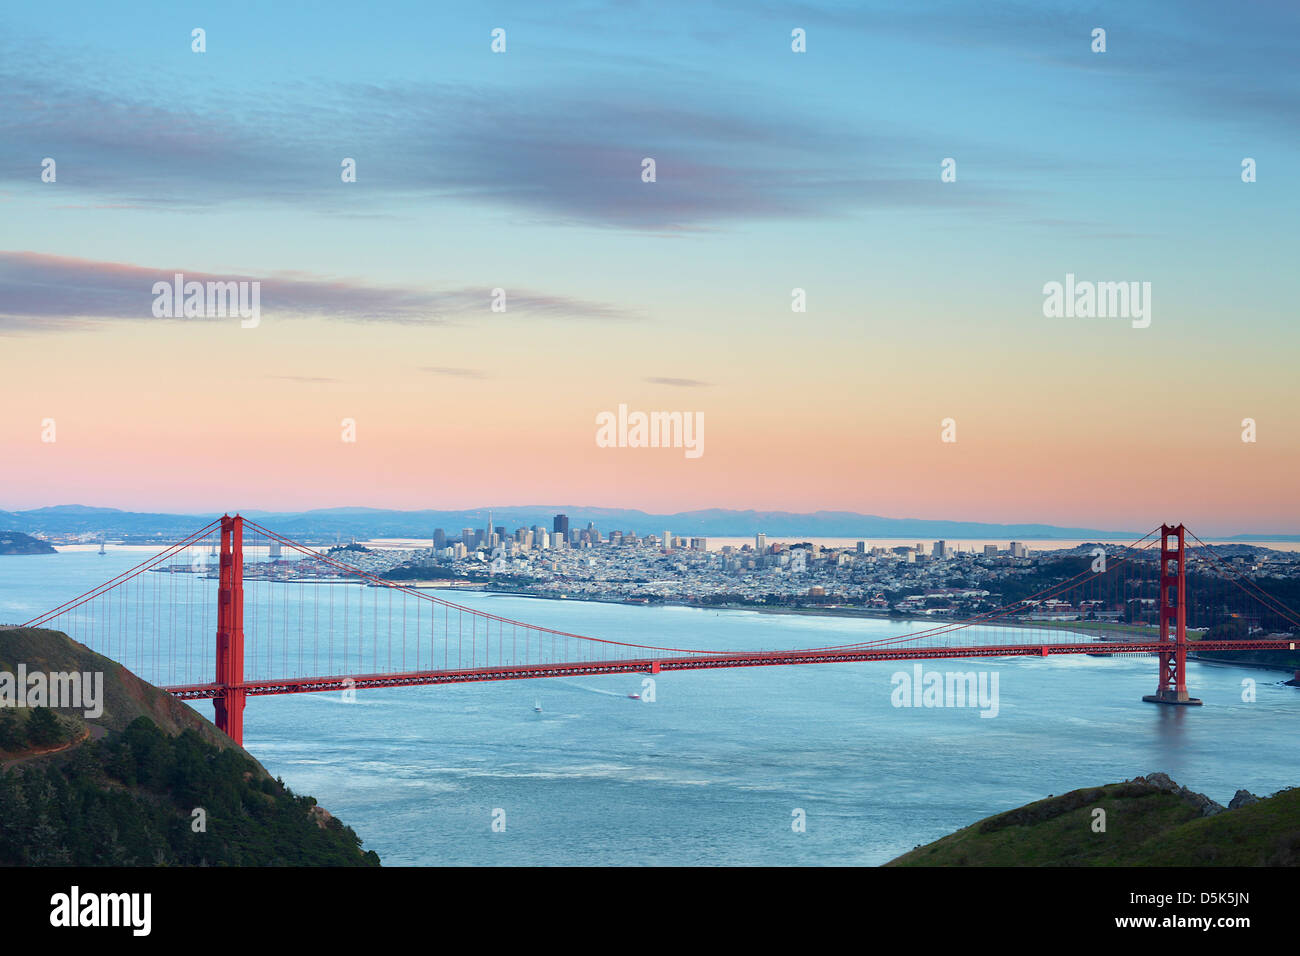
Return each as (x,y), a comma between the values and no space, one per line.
(230,630)
(1172,688)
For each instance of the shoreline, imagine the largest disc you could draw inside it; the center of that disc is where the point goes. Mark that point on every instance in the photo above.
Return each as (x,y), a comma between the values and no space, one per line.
(1235,663)
(874,615)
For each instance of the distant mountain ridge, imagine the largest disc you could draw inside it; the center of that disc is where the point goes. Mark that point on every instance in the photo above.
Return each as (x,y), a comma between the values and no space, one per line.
(363,522)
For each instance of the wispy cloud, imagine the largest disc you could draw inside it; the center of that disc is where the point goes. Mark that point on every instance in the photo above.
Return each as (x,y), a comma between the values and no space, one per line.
(561,155)
(305,379)
(39,291)
(680,382)
(455,372)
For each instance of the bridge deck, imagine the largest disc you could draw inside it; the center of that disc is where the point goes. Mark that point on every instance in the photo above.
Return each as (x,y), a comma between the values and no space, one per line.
(305,685)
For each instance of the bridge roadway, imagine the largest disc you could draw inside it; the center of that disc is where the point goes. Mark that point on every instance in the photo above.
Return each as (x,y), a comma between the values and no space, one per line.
(307,685)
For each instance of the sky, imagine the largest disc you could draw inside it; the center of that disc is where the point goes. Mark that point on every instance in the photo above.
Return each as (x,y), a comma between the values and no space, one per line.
(775,170)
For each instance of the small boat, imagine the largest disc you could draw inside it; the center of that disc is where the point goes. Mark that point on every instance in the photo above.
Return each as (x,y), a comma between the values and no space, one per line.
(537,706)
(634,696)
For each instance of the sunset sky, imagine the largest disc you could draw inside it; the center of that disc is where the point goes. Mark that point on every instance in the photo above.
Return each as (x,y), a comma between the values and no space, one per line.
(775,170)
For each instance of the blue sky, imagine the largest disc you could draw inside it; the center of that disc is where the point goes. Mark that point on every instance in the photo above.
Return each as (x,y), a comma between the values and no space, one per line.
(775,170)
(1054,144)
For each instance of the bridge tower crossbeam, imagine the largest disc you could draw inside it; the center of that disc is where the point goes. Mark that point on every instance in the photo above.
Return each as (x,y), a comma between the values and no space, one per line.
(1172,687)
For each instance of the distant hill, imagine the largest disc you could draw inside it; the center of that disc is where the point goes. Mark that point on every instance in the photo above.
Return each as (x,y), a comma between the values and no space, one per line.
(15,542)
(121,789)
(375,522)
(1150,821)
(329,524)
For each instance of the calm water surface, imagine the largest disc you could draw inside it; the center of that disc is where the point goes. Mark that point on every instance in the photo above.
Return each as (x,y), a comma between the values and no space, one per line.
(713,769)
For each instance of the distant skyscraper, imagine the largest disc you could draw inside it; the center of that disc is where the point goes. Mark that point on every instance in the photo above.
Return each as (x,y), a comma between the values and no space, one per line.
(760,543)
(940,550)
(439,538)
(667,544)
(560,525)
(862,547)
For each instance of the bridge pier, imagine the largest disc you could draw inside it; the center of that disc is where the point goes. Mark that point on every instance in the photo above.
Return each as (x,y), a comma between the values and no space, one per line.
(1172,686)
(230,631)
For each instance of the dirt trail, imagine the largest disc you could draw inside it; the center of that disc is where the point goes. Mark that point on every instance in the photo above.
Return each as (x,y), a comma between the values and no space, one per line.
(90,731)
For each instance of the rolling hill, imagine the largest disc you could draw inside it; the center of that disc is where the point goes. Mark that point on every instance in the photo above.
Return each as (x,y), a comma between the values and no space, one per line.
(1149,821)
(147,782)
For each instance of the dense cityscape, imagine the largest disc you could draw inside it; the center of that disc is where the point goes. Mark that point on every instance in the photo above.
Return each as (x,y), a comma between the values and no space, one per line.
(924,579)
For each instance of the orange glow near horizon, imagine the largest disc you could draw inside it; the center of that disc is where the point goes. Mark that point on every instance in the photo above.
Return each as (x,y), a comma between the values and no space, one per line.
(176,417)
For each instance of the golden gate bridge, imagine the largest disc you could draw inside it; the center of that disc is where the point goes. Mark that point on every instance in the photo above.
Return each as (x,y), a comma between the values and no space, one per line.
(280,625)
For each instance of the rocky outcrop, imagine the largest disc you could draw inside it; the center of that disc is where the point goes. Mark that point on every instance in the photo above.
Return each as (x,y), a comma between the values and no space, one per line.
(1242,798)
(1162,781)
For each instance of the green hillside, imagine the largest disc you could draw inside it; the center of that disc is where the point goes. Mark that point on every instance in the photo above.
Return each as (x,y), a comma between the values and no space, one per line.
(1150,821)
(122,789)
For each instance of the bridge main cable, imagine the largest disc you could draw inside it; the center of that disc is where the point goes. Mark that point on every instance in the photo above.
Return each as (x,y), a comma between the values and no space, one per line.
(995,614)
(1263,597)
(485,615)
(123,577)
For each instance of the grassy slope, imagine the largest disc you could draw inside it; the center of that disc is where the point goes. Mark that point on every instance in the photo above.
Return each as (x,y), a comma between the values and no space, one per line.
(125,794)
(126,696)
(1145,826)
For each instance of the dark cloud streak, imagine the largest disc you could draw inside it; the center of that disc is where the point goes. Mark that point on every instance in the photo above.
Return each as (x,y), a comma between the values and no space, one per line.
(39,291)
